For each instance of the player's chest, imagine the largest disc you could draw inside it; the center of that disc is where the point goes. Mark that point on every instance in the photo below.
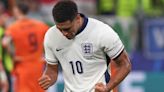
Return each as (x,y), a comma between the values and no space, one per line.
(82,48)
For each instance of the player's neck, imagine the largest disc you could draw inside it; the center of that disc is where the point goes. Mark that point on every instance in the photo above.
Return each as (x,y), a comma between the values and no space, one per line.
(21,17)
(81,23)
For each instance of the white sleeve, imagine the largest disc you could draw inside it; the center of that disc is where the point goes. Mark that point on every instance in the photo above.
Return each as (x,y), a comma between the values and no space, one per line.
(49,54)
(111,43)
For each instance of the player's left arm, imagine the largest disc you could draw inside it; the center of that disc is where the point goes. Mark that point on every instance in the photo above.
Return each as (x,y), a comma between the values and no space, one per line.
(7,43)
(123,67)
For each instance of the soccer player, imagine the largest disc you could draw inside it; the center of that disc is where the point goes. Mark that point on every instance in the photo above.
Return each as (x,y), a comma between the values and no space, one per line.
(4,85)
(81,44)
(24,41)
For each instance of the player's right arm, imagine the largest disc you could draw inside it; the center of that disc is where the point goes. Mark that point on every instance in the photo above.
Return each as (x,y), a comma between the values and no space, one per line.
(49,76)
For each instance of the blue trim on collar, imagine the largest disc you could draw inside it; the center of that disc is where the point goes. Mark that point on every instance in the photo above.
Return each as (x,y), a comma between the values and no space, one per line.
(84,24)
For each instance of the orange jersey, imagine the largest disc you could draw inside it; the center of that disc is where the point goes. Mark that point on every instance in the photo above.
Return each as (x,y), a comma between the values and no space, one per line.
(27,37)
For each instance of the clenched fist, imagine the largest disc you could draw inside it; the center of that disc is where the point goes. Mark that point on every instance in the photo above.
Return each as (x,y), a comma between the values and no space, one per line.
(100,87)
(45,82)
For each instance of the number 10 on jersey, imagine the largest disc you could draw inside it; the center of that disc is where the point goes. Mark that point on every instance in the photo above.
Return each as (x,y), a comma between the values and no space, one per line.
(76,67)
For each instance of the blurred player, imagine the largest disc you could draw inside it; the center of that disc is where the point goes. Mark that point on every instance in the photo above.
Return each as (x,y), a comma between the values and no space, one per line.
(80,45)
(4,85)
(24,41)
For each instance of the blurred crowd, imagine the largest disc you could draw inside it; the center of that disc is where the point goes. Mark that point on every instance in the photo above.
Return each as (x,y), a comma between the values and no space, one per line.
(106,10)
(41,9)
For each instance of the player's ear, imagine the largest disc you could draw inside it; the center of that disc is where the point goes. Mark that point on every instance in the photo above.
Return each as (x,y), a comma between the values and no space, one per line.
(78,16)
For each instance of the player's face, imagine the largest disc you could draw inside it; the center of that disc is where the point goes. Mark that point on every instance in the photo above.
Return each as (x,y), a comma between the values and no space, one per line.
(69,28)
(16,12)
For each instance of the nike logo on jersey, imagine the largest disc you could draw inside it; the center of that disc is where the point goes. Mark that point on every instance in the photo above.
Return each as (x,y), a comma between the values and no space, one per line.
(58,49)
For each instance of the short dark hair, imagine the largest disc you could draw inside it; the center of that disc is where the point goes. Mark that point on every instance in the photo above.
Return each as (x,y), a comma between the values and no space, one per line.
(64,10)
(23,7)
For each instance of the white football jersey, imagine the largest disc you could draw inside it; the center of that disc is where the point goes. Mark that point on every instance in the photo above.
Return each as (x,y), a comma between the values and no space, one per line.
(83,59)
